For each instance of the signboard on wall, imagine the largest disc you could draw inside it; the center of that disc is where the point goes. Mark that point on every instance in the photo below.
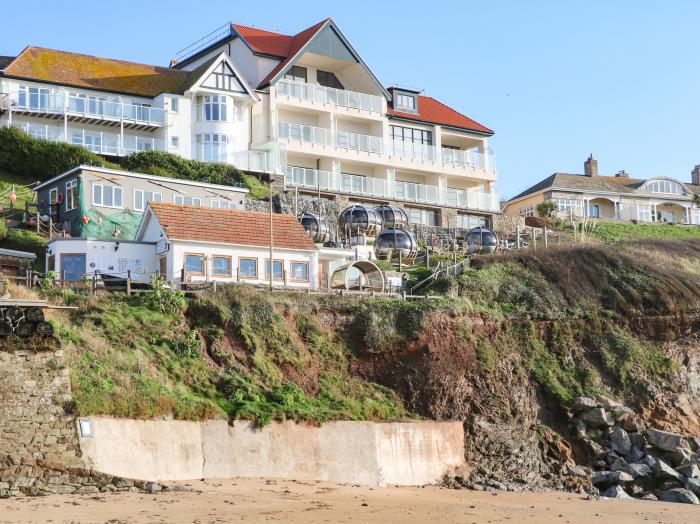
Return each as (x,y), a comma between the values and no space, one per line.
(162,246)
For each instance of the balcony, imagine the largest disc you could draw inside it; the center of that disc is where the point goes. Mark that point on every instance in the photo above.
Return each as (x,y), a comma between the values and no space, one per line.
(86,109)
(330,97)
(348,184)
(417,155)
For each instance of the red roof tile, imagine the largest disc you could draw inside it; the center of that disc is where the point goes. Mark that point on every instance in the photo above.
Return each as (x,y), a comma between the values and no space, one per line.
(227,226)
(276,44)
(435,112)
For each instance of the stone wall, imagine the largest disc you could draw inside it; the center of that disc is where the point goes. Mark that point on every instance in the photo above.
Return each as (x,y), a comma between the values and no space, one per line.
(36,420)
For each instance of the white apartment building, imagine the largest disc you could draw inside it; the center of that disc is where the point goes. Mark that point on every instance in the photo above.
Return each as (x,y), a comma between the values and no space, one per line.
(303,107)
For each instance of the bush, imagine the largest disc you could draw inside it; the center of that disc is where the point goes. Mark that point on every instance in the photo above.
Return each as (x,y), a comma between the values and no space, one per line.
(546,209)
(41,159)
(164,299)
(3,229)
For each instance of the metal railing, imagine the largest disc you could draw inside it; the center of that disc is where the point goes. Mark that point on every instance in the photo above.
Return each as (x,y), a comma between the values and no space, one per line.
(363,185)
(329,96)
(216,35)
(88,106)
(304,133)
(413,192)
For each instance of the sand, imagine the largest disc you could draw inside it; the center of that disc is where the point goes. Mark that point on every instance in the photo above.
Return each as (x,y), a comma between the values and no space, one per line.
(256,500)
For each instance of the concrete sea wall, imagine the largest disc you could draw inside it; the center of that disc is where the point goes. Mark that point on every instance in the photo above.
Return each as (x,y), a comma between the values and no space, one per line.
(401,453)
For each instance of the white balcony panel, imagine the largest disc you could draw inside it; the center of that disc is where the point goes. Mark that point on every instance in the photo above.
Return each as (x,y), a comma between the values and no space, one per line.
(329,96)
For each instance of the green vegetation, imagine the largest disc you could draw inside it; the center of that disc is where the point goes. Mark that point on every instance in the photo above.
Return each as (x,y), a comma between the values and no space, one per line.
(26,240)
(24,194)
(546,209)
(611,232)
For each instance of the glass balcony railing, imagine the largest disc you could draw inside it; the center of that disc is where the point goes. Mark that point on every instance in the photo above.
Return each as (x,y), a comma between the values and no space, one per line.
(413,192)
(329,96)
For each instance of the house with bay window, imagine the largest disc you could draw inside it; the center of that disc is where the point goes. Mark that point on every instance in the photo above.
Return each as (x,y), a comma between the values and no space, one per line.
(620,197)
(304,109)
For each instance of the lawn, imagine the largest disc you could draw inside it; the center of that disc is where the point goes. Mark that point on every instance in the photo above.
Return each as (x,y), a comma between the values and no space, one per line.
(24,193)
(613,232)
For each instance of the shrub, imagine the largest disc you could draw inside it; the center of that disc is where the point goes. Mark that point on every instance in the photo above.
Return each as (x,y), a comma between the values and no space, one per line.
(546,209)
(41,159)
(164,299)
(3,229)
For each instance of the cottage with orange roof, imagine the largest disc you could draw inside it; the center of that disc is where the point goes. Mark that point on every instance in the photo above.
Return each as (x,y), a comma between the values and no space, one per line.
(305,107)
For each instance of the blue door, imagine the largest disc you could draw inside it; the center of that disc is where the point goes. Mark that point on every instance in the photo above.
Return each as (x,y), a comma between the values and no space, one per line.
(72,267)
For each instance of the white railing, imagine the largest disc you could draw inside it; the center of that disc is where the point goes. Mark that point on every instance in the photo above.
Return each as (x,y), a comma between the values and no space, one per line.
(254,160)
(309,178)
(412,192)
(43,101)
(363,185)
(348,140)
(329,95)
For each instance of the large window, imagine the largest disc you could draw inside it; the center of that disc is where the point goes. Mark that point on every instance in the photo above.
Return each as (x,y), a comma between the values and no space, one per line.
(593,210)
(426,217)
(470,221)
(142,111)
(187,200)
(223,204)
(36,98)
(221,266)
(72,195)
(141,198)
(296,73)
(527,211)
(665,186)
(409,134)
(90,104)
(278,268)
(212,147)
(299,271)
(212,108)
(248,267)
(328,79)
(106,196)
(406,102)
(53,196)
(194,263)
(574,207)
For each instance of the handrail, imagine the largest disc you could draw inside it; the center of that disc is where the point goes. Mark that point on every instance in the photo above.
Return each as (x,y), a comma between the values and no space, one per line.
(440,270)
(330,95)
(203,42)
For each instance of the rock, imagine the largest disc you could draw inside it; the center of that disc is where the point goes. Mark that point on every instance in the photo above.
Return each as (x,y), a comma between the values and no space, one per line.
(577,471)
(620,441)
(668,484)
(635,455)
(605,402)
(611,458)
(616,492)
(694,443)
(583,404)
(650,496)
(594,449)
(678,456)
(630,422)
(604,479)
(663,471)
(693,485)
(580,428)
(650,461)
(598,417)
(681,495)
(664,439)
(618,464)
(637,439)
(638,470)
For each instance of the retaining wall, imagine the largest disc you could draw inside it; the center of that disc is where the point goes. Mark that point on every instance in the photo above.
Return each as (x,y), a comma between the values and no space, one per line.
(401,453)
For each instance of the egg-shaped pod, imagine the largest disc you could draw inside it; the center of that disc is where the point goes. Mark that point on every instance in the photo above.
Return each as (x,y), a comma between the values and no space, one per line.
(392,216)
(396,245)
(359,219)
(481,240)
(316,227)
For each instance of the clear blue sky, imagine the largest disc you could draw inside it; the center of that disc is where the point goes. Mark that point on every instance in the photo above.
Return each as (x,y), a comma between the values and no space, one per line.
(556,80)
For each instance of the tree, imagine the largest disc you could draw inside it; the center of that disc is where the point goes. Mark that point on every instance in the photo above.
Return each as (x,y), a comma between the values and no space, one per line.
(546,209)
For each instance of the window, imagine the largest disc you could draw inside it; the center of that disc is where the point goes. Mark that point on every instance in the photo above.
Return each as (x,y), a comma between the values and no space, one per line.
(299,271)
(91,141)
(406,102)
(223,204)
(665,186)
(143,144)
(187,200)
(53,196)
(470,221)
(212,108)
(72,195)
(409,134)
(175,105)
(106,196)
(328,80)
(574,207)
(141,198)
(248,267)
(36,98)
(72,266)
(142,111)
(527,211)
(194,263)
(81,103)
(296,73)
(212,147)
(221,266)
(426,217)
(278,268)
(593,210)
(174,142)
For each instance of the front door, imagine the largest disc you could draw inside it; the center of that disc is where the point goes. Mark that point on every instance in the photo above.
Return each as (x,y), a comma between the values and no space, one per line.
(163,268)
(668,217)
(72,266)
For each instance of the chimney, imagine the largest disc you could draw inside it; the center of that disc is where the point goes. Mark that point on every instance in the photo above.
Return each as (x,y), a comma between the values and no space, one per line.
(590,166)
(622,174)
(695,176)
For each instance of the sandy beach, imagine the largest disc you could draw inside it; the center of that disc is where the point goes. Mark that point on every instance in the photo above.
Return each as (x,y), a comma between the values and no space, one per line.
(259,500)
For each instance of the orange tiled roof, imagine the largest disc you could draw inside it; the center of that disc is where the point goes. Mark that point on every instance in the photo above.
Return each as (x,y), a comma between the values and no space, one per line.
(227,226)
(435,112)
(276,44)
(74,69)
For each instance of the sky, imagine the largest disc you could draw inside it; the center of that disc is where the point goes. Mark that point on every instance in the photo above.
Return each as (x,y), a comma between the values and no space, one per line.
(556,80)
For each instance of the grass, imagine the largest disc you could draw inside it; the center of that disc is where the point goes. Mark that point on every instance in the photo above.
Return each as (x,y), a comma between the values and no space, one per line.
(610,232)
(24,193)
(23,239)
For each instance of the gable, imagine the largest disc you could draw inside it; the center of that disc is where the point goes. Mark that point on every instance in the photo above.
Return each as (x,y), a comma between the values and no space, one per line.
(327,42)
(223,78)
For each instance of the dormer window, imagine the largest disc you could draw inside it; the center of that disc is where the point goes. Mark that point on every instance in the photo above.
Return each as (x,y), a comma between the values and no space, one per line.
(668,187)
(406,102)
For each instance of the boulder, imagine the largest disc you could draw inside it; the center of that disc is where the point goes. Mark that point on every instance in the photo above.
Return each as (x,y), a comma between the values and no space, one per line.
(594,449)
(694,443)
(664,439)
(606,402)
(616,492)
(604,479)
(630,422)
(618,464)
(663,471)
(580,428)
(583,404)
(650,496)
(693,485)
(681,495)
(689,469)
(638,470)
(635,455)
(678,456)
(637,439)
(598,417)
(620,441)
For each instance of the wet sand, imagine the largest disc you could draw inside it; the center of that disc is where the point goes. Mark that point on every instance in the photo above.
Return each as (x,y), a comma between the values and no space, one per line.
(256,500)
